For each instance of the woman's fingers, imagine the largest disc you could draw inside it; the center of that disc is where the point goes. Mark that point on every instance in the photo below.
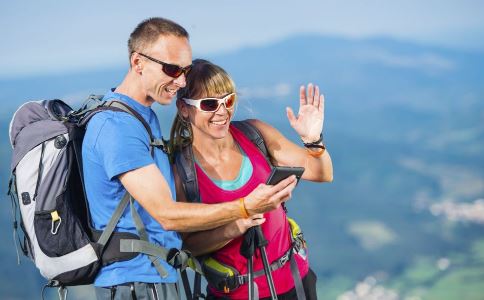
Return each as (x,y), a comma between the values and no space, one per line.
(321,104)
(316,96)
(257,216)
(268,197)
(256,222)
(291,117)
(281,185)
(310,95)
(284,189)
(310,100)
(302,95)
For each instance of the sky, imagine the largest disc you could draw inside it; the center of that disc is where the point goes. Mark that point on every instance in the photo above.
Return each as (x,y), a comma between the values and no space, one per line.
(45,37)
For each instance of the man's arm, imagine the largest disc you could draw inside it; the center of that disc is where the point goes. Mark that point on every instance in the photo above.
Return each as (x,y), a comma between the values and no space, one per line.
(207,241)
(148,186)
(203,242)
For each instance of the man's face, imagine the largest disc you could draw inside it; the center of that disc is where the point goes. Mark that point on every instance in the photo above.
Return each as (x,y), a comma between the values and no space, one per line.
(158,86)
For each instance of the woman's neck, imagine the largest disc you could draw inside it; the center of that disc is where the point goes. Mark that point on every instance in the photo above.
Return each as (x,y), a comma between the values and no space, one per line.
(220,159)
(213,151)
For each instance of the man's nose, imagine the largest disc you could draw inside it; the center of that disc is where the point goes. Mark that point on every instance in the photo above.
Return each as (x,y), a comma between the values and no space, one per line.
(181,80)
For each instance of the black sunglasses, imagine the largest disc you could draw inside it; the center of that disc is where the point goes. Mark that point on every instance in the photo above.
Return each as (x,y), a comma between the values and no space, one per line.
(169,69)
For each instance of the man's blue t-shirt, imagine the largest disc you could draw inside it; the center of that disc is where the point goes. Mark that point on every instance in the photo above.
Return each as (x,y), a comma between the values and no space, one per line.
(117,142)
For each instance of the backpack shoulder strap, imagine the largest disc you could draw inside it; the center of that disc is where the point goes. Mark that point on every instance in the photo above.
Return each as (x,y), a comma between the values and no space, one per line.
(254,135)
(185,167)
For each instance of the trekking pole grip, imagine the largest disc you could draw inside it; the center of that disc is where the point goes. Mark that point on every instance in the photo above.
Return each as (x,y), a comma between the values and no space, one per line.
(260,238)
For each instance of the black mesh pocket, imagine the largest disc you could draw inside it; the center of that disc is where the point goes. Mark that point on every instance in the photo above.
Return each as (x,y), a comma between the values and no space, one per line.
(59,232)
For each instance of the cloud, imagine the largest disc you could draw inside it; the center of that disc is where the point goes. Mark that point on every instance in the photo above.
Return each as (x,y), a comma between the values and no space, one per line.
(368,289)
(371,235)
(460,212)
(454,181)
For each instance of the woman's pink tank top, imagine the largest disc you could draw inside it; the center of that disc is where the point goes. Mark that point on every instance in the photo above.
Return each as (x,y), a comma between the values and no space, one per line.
(275,229)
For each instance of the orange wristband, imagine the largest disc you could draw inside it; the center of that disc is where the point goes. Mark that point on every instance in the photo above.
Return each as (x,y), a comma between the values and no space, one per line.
(243,210)
(318,153)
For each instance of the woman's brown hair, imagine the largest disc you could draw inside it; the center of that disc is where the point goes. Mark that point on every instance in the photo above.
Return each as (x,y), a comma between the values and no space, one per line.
(204,80)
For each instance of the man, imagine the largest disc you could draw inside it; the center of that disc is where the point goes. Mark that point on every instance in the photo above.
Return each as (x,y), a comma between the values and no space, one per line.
(117,158)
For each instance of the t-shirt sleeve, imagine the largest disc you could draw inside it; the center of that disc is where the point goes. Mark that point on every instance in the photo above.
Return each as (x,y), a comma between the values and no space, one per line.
(122,144)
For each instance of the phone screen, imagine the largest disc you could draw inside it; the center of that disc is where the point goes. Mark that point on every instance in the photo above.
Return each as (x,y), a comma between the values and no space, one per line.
(280,173)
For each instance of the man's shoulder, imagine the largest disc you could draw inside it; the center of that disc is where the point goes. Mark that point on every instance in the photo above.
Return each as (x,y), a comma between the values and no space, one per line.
(107,126)
(121,122)
(117,141)
(109,117)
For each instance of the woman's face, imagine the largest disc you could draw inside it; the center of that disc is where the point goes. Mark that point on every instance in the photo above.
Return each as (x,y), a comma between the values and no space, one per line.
(214,125)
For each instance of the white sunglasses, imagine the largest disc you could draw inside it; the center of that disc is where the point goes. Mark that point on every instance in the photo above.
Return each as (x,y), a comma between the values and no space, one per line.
(212,104)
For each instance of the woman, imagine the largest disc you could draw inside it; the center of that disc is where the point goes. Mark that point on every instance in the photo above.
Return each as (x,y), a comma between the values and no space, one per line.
(229,166)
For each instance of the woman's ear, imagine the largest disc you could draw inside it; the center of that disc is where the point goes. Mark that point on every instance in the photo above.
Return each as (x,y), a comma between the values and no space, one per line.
(182,108)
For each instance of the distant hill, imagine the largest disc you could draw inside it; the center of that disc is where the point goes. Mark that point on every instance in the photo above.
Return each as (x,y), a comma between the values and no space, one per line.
(404,127)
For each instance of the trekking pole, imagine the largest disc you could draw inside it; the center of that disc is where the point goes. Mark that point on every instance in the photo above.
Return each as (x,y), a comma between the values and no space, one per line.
(261,244)
(247,249)
(250,276)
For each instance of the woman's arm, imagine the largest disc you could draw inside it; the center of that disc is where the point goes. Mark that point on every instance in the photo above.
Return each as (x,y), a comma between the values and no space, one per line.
(309,125)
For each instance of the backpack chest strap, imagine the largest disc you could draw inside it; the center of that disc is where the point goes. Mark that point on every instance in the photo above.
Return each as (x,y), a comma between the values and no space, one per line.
(275,265)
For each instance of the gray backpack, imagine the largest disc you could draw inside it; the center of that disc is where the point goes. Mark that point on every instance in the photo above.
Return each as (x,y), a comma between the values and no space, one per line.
(47,193)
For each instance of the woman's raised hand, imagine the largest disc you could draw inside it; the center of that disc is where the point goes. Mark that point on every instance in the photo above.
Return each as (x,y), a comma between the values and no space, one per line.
(309,121)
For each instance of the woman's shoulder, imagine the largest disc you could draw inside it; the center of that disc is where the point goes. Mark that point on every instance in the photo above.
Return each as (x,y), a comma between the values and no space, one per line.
(258,124)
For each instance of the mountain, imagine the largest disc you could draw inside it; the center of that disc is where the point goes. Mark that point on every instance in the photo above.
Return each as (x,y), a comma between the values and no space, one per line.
(403,124)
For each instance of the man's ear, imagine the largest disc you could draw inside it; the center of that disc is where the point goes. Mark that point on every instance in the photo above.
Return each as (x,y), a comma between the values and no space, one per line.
(136,62)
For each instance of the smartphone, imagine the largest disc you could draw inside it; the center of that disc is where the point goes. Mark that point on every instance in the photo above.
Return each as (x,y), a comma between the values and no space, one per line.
(280,173)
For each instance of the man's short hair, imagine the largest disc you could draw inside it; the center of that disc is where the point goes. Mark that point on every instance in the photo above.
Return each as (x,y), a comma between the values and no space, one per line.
(148,32)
